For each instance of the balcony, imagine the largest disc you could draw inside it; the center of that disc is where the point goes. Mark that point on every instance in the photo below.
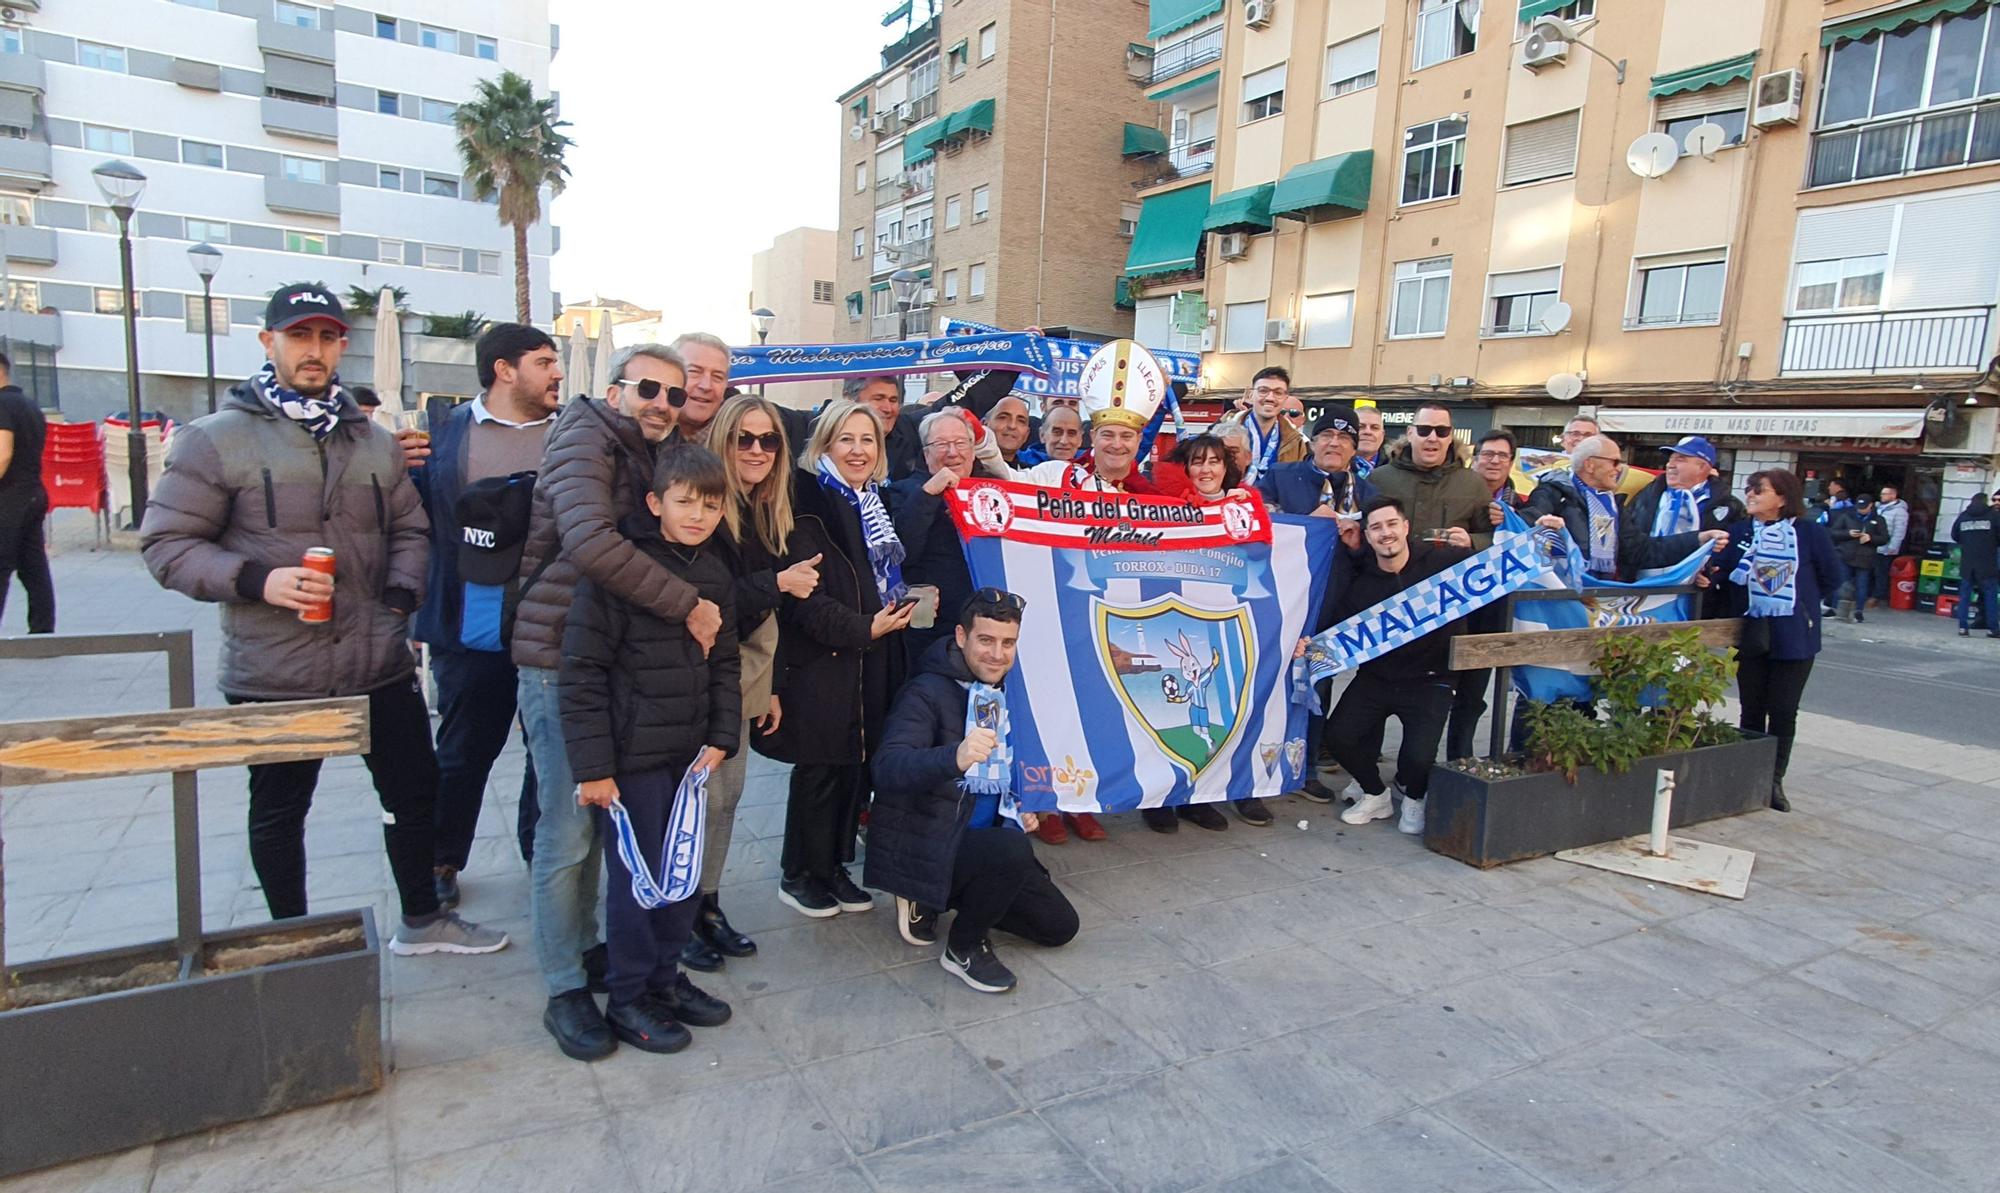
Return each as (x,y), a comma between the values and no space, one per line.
(889,190)
(1941,139)
(294,41)
(31,245)
(292,118)
(23,72)
(914,250)
(302,198)
(24,161)
(909,43)
(32,327)
(1949,340)
(921,108)
(885,327)
(1186,55)
(1183,159)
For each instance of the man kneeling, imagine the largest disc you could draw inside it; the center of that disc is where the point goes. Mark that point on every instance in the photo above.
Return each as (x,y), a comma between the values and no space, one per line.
(943,833)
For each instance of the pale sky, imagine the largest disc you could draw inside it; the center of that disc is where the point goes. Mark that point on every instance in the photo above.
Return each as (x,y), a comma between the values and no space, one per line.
(702,131)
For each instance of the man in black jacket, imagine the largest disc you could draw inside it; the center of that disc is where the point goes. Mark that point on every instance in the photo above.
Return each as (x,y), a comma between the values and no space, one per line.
(941,834)
(24,503)
(1856,531)
(930,543)
(1680,510)
(1977,533)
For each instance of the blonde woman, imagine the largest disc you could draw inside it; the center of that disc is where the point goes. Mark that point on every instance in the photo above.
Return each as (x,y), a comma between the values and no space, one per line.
(836,673)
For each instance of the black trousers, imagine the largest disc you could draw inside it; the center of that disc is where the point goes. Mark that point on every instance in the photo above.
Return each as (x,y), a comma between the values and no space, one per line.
(1355,730)
(1468,704)
(405,771)
(822,814)
(1770,690)
(642,945)
(26,552)
(997,883)
(475,712)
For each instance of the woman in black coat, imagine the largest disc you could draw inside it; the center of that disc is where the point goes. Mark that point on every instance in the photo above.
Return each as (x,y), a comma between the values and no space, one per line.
(835,673)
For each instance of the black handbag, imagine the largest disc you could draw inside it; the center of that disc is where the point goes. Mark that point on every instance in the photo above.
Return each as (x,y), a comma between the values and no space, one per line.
(1753,640)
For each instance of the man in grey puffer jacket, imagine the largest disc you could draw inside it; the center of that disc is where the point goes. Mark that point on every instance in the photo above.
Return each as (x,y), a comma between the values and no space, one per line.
(287,464)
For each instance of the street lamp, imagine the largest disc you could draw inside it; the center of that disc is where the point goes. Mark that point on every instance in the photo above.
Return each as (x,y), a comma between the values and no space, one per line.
(122,185)
(207,259)
(903,285)
(762,318)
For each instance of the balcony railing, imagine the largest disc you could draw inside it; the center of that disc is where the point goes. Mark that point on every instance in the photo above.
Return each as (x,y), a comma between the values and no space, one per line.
(889,190)
(1937,140)
(1945,340)
(1186,54)
(914,250)
(921,108)
(1183,159)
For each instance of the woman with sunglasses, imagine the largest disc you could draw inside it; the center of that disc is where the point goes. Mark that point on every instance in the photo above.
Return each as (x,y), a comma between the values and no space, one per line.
(835,671)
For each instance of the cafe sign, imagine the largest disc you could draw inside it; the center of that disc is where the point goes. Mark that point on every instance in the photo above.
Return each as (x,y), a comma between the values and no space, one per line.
(1772,424)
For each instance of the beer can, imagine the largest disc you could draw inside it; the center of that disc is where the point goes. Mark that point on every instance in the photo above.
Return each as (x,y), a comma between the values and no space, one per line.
(318,559)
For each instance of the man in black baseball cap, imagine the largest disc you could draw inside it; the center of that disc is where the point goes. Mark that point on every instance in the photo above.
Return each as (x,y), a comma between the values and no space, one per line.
(299,302)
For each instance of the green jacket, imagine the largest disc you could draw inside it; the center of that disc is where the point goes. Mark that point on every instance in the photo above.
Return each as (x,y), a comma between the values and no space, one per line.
(1437,498)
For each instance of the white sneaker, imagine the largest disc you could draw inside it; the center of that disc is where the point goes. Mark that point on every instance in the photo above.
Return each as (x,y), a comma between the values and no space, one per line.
(1370,807)
(1412,819)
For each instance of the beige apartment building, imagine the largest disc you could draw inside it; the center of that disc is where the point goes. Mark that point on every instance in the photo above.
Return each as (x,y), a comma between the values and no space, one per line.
(985,158)
(1769,222)
(793,279)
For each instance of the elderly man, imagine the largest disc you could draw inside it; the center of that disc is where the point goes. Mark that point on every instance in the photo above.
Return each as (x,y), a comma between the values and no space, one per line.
(1591,507)
(1439,496)
(1678,511)
(1062,432)
(1273,439)
(1237,440)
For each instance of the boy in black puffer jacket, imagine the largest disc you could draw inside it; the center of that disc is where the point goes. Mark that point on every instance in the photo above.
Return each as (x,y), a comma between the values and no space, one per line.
(641,706)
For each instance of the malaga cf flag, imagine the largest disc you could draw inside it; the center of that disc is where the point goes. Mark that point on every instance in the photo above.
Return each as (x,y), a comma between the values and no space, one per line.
(1155,662)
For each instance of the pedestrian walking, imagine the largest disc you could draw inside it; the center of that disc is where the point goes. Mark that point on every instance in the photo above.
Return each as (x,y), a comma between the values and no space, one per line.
(24,503)
(1856,530)
(1976,530)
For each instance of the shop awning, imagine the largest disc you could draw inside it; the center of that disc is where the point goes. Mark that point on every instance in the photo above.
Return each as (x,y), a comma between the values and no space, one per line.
(1773,423)
(1336,185)
(1169,15)
(1530,9)
(1894,19)
(1247,210)
(1194,84)
(1142,139)
(1168,239)
(1714,74)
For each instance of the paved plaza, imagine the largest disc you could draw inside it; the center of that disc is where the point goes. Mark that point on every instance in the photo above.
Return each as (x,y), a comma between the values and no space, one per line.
(1304,1007)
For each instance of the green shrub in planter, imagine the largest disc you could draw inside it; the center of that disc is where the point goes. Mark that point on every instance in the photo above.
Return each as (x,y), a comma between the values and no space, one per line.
(1650,697)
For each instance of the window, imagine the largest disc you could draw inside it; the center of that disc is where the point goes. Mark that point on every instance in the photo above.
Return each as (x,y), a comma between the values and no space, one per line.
(822,291)
(1446,29)
(100,57)
(1128,220)
(305,16)
(311,243)
(860,243)
(1538,150)
(1350,66)
(107,301)
(1677,115)
(436,111)
(1433,160)
(212,231)
(443,188)
(389,252)
(218,313)
(389,178)
(950,287)
(1423,293)
(303,169)
(99,139)
(1264,93)
(1243,326)
(385,28)
(431,37)
(955,60)
(951,212)
(1516,302)
(17,210)
(981,203)
(989,42)
(860,177)
(100,219)
(1942,64)
(489,264)
(975,282)
(1575,10)
(201,153)
(487,48)
(21,296)
(854,308)
(442,256)
(10,40)
(1329,320)
(1674,293)
(388,103)
(299,97)
(1838,285)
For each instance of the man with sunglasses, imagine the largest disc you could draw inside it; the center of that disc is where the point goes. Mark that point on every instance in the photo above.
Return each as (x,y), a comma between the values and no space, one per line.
(1445,501)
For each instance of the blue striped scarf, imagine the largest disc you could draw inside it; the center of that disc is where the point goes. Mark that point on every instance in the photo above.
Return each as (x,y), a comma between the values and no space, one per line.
(986,708)
(680,852)
(885,550)
(318,415)
(1769,569)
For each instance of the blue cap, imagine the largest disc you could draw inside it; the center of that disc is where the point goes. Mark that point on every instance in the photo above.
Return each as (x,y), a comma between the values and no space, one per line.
(1696,446)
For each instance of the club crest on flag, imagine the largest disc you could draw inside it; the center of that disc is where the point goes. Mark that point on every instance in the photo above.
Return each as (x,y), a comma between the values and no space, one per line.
(1268,752)
(1183,672)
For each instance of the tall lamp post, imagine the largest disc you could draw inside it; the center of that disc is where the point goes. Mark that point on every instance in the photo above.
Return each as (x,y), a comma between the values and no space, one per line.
(122,185)
(762,318)
(207,260)
(903,286)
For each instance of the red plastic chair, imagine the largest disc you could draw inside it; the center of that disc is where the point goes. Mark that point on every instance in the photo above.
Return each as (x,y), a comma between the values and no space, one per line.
(73,472)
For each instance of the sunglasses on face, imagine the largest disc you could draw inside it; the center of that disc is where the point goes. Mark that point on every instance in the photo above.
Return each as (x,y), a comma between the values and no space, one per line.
(1000,596)
(1295,413)
(1420,430)
(649,390)
(771,441)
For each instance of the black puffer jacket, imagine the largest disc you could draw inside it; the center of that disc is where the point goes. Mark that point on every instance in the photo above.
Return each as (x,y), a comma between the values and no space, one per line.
(636,693)
(920,812)
(1569,504)
(1852,551)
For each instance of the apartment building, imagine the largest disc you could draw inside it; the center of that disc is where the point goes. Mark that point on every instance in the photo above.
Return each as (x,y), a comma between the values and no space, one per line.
(793,279)
(984,157)
(1761,221)
(301,140)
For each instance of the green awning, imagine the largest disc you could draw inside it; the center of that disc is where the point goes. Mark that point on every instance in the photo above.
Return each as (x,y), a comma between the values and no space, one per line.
(854,303)
(915,152)
(1168,239)
(1714,74)
(1169,15)
(957,47)
(860,105)
(976,119)
(923,273)
(1199,81)
(1121,293)
(1134,49)
(875,287)
(1337,185)
(1247,210)
(1143,139)
(1894,19)
(1530,9)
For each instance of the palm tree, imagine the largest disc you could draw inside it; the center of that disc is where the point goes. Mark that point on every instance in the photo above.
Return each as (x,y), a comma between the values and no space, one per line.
(513,145)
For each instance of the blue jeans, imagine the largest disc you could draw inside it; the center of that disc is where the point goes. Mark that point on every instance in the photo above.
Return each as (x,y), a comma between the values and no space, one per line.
(1986,589)
(568,855)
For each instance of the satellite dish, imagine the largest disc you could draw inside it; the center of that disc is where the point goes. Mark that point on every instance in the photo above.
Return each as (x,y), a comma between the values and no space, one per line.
(1652,155)
(1564,387)
(1557,317)
(854,132)
(1705,138)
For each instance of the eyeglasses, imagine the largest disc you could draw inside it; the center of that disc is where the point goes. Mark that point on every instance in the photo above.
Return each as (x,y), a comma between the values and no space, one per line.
(1295,413)
(1495,455)
(1000,596)
(953,445)
(771,441)
(1420,430)
(649,389)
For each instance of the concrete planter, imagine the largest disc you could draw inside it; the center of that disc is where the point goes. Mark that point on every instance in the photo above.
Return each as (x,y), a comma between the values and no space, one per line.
(103,1072)
(1489,822)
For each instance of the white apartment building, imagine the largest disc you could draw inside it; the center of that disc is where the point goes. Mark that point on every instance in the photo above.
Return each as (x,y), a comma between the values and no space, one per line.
(302,141)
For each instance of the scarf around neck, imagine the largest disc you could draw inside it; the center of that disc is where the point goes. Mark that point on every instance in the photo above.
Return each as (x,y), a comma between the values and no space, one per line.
(1603,509)
(1769,569)
(1680,511)
(1263,446)
(885,550)
(986,708)
(317,415)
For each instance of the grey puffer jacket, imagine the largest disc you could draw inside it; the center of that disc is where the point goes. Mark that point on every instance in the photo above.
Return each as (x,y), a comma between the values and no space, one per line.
(247,490)
(596,471)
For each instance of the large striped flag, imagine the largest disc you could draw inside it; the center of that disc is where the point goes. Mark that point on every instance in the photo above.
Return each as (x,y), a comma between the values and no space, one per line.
(1156,645)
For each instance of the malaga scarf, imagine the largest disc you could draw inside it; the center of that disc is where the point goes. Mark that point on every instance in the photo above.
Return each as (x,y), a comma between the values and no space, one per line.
(1263,447)
(986,708)
(680,851)
(317,415)
(885,550)
(1603,509)
(1679,512)
(1769,569)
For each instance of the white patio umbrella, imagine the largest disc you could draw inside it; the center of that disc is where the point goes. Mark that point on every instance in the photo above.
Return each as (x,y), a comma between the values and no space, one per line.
(388,353)
(576,363)
(600,365)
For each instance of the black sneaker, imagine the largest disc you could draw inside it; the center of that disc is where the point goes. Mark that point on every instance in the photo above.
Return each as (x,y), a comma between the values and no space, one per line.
(982,970)
(1252,811)
(917,923)
(446,881)
(808,896)
(846,894)
(573,1019)
(1204,816)
(690,1004)
(646,1026)
(1316,792)
(1160,820)
(699,954)
(596,960)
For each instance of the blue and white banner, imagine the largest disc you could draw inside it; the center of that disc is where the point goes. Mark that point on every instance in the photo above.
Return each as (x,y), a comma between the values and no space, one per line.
(1625,604)
(1016,351)
(1066,358)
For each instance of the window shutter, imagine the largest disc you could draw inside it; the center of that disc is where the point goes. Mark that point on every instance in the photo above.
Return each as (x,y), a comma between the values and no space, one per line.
(1265,82)
(1938,264)
(1541,149)
(1724,98)
(1350,59)
(1834,232)
(1531,281)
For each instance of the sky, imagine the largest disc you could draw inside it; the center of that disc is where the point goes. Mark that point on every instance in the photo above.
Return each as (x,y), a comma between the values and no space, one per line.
(703,131)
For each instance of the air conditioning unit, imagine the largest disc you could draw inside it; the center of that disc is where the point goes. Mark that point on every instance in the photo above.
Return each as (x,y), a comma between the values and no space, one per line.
(903,112)
(878,122)
(1279,331)
(1777,98)
(1208,339)
(1232,245)
(928,297)
(1543,47)
(1257,14)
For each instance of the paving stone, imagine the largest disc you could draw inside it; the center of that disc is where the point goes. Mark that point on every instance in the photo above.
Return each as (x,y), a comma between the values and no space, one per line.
(580,1159)
(822,1021)
(1160,1134)
(1734,1046)
(1950,1140)
(1297,1088)
(1290,1175)
(1012,1153)
(906,1091)
(1818,1016)
(730,1139)
(1059,1051)
(1418,1152)
(338,1140)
